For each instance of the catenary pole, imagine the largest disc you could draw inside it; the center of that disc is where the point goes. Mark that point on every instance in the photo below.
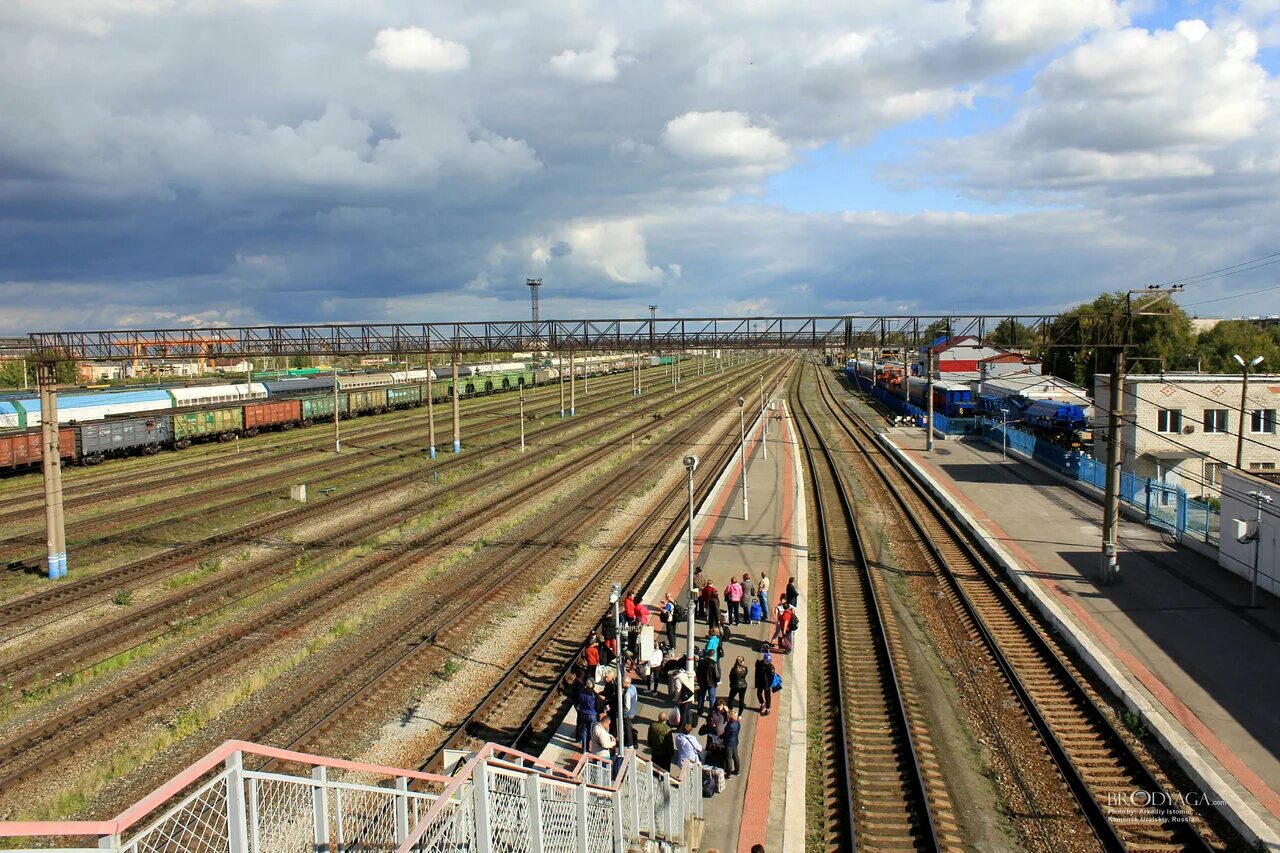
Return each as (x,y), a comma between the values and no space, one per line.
(1111,507)
(573,388)
(522,417)
(431,413)
(337,433)
(742,452)
(928,393)
(457,425)
(691,465)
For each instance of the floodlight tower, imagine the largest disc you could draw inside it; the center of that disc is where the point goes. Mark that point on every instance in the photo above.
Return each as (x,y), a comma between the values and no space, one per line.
(534,284)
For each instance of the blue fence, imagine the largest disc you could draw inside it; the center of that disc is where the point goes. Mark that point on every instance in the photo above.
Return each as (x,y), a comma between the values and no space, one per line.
(1163,506)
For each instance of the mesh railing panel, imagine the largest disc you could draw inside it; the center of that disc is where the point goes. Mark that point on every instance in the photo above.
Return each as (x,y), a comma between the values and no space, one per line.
(197,825)
(599,774)
(647,784)
(452,829)
(508,812)
(559,818)
(599,823)
(283,816)
(626,794)
(368,819)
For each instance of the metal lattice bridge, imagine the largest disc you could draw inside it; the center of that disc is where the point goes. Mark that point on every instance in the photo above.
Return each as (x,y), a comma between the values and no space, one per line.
(656,334)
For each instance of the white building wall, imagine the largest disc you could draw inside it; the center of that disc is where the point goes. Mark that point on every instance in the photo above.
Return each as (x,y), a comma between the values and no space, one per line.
(1148,452)
(1237,557)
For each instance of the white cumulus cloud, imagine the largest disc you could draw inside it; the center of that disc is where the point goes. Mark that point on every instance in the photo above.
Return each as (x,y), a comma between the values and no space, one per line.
(727,137)
(417,49)
(598,65)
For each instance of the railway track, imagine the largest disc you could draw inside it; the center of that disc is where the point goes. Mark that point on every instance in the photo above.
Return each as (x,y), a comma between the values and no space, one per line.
(883,786)
(82,723)
(371,442)
(1093,760)
(359,433)
(186,557)
(524,701)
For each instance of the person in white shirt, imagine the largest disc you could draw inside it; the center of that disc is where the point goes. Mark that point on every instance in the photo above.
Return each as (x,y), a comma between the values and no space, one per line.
(764,595)
(602,740)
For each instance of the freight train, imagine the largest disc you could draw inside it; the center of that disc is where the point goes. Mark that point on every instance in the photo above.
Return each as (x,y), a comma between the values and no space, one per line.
(98,425)
(953,399)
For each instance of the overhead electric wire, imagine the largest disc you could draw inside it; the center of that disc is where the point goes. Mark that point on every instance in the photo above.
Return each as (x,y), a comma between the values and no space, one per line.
(1234,269)
(1232,296)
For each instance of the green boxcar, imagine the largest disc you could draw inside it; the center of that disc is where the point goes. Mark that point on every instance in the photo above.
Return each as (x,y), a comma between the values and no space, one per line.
(367,400)
(404,396)
(210,422)
(320,407)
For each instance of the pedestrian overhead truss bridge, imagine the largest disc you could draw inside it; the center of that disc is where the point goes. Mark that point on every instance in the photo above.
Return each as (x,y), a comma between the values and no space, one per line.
(847,332)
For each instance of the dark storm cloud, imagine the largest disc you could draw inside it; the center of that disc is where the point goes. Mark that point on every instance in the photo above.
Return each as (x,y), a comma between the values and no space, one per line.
(202,161)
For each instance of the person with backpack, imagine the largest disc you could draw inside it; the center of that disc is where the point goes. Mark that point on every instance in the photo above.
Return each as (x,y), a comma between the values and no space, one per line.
(764,680)
(662,745)
(793,624)
(588,712)
(669,619)
(683,690)
(688,750)
(733,595)
(732,729)
(708,673)
(738,684)
(782,628)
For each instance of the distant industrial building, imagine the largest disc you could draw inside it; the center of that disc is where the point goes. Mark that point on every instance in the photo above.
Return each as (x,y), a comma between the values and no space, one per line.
(1181,429)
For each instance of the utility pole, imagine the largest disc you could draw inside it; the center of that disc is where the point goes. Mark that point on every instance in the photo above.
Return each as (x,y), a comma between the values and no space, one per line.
(457,426)
(522,417)
(1110,561)
(742,452)
(573,389)
(1244,400)
(560,374)
(928,395)
(1111,505)
(690,465)
(764,425)
(431,413)
(51,467)
(337,434)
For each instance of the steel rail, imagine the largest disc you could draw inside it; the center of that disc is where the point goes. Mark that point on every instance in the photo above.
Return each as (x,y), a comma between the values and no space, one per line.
(1107,833)
(916,794)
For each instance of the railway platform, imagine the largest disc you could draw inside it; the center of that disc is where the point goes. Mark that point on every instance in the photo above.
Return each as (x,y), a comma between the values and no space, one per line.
(1174,639)
(764,804)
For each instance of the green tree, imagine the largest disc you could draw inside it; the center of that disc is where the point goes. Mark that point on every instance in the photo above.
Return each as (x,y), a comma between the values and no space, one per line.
(1084,338)
(11,373)
(1011,333)
(1230,337)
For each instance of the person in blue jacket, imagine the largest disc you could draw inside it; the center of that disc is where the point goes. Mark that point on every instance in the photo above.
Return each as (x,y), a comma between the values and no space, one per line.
(733,766)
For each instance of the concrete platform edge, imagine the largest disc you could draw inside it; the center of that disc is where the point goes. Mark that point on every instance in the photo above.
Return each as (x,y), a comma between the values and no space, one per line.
(794,829)
(1234,809)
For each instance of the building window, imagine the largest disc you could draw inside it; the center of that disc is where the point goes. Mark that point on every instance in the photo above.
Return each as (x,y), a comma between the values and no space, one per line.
(1215,420)
(1169,420)
(1213,474)
(1263,420)
(1262,466)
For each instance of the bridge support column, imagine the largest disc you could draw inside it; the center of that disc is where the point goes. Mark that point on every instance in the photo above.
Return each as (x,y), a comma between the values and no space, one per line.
(51,467)
(573,387)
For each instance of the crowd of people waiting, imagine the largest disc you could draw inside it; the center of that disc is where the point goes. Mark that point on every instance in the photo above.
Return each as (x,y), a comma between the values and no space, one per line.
(696,724)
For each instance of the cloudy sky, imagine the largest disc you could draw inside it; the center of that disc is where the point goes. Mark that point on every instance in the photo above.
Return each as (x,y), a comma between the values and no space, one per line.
(181,162)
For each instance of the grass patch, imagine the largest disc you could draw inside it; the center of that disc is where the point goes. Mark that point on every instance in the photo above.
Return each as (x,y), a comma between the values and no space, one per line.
(1134,724)
(206,567)
(122,598)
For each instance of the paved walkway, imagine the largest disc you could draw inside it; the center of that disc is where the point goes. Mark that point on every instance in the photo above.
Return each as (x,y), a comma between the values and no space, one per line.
(765,804)
(1176,625)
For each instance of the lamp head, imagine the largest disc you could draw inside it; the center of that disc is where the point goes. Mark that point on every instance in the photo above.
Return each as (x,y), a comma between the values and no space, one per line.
(741,402)
(691,463)
(1239,360)
(615,593)
(1256,361)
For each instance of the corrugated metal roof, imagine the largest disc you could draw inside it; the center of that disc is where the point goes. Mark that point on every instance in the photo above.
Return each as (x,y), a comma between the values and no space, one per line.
(105,398)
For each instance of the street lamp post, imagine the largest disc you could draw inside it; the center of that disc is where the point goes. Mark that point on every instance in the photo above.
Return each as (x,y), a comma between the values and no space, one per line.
(620,633)
(764,424)
(690,465)
(1004,434)
(1244,396)
(522,418)
(742,451)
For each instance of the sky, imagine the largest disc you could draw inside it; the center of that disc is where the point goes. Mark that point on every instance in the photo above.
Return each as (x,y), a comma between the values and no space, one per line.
(174,163)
